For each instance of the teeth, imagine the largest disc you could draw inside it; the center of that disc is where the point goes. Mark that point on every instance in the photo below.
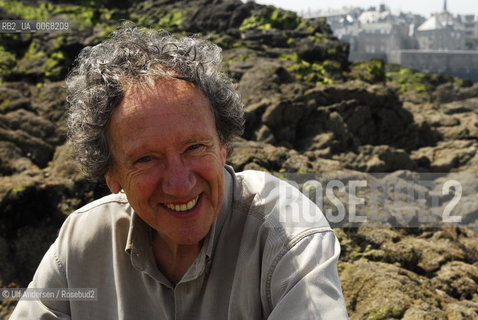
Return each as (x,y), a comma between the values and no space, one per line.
(182,207)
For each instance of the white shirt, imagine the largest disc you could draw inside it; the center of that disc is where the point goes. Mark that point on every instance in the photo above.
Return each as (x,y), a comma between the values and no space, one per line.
(261,260)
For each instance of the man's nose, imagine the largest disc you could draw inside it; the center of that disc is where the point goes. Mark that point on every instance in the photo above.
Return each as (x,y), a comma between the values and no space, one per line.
(179,180)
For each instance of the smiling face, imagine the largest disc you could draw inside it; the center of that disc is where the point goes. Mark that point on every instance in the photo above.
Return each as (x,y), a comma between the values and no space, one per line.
(168,159)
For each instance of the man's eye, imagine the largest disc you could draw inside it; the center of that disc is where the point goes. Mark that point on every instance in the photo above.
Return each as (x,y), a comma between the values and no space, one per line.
(195,146)
(144,159)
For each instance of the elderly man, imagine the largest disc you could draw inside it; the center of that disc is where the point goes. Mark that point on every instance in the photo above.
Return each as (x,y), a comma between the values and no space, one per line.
(182,236)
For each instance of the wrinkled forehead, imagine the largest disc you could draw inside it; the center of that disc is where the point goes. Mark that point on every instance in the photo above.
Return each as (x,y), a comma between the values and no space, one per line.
(163,89)
(168,105)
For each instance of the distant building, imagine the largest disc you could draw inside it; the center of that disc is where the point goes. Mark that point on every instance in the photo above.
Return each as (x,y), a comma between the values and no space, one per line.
(337,18)
(442,43)
(374,40)
(470,24)
(376,32)
(441,32)
(460,63)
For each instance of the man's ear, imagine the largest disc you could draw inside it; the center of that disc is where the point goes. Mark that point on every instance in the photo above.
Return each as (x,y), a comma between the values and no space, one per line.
(112,183)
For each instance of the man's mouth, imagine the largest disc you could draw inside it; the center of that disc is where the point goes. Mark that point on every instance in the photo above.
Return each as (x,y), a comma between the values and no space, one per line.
(182,207)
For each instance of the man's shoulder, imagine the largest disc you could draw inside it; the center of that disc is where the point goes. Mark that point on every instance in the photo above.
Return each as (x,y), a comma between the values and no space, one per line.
(91,235)
(278,218)
(260,182)
(279,203)
(98,220)
(102,212)
(111,200)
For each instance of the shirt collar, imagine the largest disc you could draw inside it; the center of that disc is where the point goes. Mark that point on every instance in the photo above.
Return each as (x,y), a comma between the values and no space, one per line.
(226,209)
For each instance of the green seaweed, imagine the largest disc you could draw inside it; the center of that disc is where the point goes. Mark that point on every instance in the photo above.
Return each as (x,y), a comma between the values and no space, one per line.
(40,12)
(33,53)
(307,71)
(319,38)
(7,62)
(386,312)
(225,42)
(372,71)
(269,17)
(411,80)
(408,79)
(54,64)
(18,189)
(173,18)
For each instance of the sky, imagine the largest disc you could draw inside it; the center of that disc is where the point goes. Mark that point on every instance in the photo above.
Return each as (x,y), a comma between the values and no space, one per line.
(423,7)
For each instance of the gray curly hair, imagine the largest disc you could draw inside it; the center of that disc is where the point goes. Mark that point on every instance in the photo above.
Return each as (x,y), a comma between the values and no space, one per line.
(103,74)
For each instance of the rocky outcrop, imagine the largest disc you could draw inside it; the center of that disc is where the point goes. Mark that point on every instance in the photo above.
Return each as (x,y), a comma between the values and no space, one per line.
(410,274)
(310,116)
